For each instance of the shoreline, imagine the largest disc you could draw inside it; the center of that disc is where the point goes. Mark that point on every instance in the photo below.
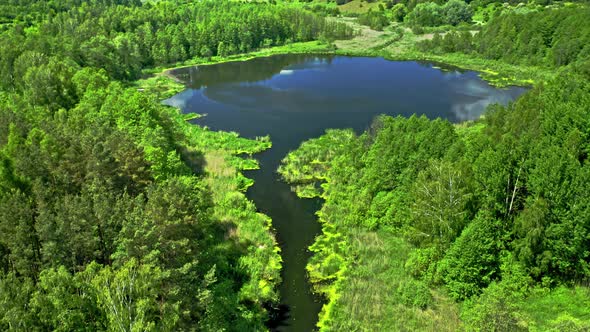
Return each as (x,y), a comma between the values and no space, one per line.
(496,73)
(501,79)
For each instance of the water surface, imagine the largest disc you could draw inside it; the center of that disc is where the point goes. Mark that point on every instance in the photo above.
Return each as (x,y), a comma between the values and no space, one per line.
(296,97)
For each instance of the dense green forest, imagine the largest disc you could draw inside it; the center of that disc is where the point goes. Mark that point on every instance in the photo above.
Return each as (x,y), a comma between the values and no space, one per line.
(478,226)
(125,37)
(116,213)
(493,214)
(549,37)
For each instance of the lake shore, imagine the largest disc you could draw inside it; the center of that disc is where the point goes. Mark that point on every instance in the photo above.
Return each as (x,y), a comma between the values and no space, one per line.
(294,98)
(387,44)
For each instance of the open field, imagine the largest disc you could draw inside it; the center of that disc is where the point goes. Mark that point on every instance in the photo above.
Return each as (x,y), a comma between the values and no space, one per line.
(358,7)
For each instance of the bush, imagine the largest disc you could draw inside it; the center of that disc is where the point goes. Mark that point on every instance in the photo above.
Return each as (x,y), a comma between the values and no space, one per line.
(376,20)
(472,262)
(418,30)
(494,310)
(430,14)
(456,11)
(427,14)
(399,12)
(421,263)
(415,293)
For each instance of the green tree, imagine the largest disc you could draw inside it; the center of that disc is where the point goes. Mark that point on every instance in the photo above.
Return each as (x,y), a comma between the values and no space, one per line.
(130,297)
(426,14)
(15,313)
(472,262)
(399,12)
(456,11)
(17,233)
(50,84)
(66,302)
(441,196)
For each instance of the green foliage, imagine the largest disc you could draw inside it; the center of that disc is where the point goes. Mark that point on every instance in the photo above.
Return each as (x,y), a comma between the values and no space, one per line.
(426,14)
(560,309)
(430,14)
(484,13)
(497,307)
(495,209)
(376,20)
(422,263)
(399,12)
(440,206)
(472,262)
(456,11)
(92,187)
(123,38)
(102,188)
(129,298)
(400,148)
(324,8)
(551,37)
(309,163)
(415,294)
(66,302)
(15,294)
(493,311)
(115,212)
(373,290)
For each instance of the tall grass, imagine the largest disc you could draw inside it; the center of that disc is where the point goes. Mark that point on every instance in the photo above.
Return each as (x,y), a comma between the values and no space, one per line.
(372,293)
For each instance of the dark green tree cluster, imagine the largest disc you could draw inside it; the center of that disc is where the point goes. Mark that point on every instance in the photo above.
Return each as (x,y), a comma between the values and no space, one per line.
(102,223)
(376,20)
(552,37)
(108,220)
(124,37)
(430,14)
(503,201)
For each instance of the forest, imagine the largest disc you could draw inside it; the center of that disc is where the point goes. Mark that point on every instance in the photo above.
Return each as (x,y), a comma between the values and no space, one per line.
(116,214)
(548,38)
(478,226)
(492,214)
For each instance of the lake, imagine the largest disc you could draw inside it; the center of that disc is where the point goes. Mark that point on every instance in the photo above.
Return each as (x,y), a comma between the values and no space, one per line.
(296,97)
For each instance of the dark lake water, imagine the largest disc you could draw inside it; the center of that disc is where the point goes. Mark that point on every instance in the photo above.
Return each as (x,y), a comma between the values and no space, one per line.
(296,97)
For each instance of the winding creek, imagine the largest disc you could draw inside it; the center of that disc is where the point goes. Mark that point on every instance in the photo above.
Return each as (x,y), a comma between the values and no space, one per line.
(296,97)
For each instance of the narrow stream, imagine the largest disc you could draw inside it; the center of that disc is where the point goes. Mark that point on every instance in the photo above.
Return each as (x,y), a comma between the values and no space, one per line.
(296,97)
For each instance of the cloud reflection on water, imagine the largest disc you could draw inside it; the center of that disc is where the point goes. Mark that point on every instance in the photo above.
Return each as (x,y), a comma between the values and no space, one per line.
(473,96)
(312,85)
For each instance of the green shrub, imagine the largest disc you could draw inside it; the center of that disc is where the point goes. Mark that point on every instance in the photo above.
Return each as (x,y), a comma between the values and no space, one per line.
(421,263)
(456,11)
(399,12)
(427,14)
(430,14)
(472,262)
(415,293)
(376,20)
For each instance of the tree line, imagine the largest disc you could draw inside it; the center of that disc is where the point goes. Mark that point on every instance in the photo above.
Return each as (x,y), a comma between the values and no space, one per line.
(124,38)
(549,38)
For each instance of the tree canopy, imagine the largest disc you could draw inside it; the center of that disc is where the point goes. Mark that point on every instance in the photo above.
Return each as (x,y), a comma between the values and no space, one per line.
(110,218)
(485,207)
